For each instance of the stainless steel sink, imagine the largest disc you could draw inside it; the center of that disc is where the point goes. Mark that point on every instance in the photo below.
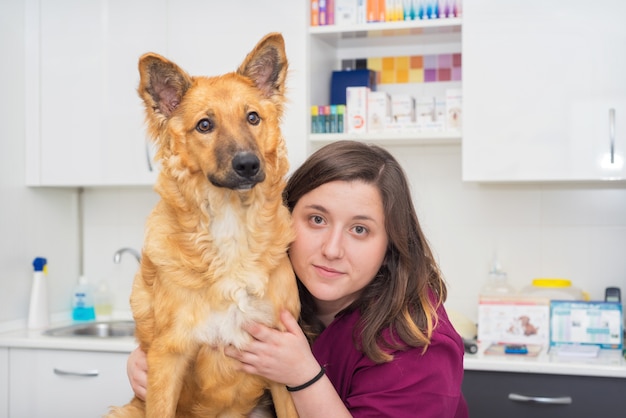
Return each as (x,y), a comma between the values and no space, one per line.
(102,329)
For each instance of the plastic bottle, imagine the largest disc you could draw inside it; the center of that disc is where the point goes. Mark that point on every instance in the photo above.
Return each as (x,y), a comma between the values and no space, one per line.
(38,315)
(497,283)
(82,301)
(103,301)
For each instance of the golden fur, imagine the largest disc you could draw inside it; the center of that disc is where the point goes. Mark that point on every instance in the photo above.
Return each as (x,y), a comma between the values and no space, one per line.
(214,255)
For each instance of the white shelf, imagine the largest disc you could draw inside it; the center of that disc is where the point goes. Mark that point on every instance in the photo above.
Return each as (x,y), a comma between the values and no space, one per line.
(412,27)
(329,45)
(392,138)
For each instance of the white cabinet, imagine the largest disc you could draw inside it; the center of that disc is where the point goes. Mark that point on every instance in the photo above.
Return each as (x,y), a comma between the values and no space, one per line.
(329,45)
(209,39)
(4,382)
(84,118)
(59,383)
(85,121)
(544,90)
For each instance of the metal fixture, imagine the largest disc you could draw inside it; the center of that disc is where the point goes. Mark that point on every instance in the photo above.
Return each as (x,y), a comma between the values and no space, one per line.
(117,257)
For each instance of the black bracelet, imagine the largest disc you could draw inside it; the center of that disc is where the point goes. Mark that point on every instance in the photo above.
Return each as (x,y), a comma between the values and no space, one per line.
(309,383)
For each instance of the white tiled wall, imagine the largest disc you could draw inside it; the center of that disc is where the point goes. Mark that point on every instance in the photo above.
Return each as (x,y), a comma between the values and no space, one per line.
(572,231)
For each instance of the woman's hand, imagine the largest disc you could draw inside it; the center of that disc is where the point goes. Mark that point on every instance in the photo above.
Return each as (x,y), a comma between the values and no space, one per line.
(137,371)
(280,356)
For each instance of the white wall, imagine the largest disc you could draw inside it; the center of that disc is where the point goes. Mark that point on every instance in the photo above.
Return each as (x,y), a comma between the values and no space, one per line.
(572,231)
(33,222)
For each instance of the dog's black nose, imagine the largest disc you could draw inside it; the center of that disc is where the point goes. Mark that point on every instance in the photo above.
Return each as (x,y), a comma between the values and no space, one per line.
(246,164)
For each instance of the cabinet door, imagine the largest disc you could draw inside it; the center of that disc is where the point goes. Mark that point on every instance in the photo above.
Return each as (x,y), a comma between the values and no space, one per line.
(56,383)
(85,118)
(555,396)
(544,92)
(4,382)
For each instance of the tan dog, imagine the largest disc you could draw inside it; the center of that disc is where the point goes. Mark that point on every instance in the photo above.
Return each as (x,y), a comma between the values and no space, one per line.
(214,256)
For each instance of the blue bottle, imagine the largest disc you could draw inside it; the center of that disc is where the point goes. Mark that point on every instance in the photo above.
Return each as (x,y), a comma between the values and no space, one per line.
(83,302)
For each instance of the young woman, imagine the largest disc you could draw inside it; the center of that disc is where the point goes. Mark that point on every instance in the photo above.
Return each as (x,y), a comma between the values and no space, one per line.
(374,338)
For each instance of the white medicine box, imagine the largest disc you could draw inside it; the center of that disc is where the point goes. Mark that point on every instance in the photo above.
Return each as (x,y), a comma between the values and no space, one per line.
(402,108)
(356,109)
(430,113)
(454,109)
(378,111)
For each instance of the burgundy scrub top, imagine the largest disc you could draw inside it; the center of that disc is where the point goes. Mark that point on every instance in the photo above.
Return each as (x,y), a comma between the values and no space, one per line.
(413,384)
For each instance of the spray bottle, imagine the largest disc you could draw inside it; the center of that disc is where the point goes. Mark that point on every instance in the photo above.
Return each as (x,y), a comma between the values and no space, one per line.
(38,315)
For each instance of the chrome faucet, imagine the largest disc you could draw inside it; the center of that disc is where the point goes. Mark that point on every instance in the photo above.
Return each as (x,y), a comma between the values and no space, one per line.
(117,257)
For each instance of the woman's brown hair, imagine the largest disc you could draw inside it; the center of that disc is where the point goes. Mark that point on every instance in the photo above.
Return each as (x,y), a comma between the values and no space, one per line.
(409,287)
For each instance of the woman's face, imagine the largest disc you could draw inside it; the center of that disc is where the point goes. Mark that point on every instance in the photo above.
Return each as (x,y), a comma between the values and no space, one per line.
(340,242)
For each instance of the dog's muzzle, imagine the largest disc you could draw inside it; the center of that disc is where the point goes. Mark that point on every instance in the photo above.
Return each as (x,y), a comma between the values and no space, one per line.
(245,174)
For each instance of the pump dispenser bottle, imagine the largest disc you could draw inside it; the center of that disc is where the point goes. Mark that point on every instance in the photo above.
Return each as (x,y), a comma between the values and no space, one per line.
(497,283)
(38,315)
(83,301)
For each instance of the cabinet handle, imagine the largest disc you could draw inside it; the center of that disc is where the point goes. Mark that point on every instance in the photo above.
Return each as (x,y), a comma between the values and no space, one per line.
(563,400)
(88,373)
(148,158)
(612,133)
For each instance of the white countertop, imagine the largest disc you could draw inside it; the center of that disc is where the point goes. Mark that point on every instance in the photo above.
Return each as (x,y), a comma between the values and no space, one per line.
(23,338)
(34,339)
(608,363)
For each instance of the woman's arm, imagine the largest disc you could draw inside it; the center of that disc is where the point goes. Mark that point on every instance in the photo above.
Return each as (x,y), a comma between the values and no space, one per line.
(286,357)
(137,371)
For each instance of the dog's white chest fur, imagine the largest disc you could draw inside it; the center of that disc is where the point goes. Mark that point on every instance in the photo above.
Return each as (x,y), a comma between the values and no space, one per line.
(241,283)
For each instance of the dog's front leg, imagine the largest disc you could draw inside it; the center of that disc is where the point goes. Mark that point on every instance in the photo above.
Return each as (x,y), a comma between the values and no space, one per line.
(165,379)
(283,404)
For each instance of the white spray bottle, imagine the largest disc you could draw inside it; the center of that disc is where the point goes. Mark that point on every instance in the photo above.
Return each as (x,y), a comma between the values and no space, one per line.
(38,315)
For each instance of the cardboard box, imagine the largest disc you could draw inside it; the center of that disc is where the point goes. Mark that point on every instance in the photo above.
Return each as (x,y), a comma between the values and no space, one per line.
(378,111)
(514,320)
(356,109)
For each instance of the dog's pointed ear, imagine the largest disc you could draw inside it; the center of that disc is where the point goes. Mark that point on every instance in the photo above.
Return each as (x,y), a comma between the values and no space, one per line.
(266,65)
(162,85)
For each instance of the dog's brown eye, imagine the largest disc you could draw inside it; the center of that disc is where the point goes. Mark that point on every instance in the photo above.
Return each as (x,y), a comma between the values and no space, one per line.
(253,118)
(204,126)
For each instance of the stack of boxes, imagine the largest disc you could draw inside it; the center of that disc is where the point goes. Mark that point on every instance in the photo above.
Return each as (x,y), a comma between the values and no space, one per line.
(370,111)
(374,111)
